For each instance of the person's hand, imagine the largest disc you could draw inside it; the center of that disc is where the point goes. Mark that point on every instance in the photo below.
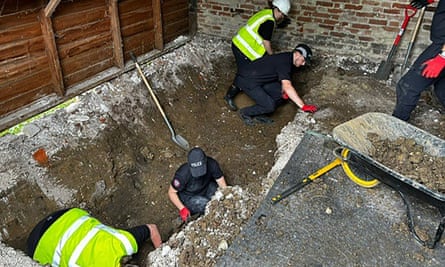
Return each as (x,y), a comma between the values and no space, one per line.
(284,96)
(420,3)
(184,213)
(433,66)
(309,108)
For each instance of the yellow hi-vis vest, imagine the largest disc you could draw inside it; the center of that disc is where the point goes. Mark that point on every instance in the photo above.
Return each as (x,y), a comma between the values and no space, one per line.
(77,239)
(248,41)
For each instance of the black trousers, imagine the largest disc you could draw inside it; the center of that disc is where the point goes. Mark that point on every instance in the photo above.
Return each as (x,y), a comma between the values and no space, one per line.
(412,84)
(267,96)
(240,58)
(197,203)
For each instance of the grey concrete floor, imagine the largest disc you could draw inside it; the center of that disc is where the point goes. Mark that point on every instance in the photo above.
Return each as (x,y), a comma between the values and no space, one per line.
(334,222)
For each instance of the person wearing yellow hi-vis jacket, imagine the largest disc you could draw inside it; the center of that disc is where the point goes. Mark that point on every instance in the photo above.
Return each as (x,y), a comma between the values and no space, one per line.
(72,237)
(253,40)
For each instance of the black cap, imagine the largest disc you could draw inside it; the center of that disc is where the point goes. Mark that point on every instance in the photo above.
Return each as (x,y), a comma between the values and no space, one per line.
(305,51)
(197,161)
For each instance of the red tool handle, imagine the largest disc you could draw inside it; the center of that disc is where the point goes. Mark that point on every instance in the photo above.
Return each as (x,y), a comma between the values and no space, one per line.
(408,16)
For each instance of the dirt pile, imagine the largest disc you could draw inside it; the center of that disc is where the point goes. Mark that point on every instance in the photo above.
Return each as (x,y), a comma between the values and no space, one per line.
(408,158)
(204,240)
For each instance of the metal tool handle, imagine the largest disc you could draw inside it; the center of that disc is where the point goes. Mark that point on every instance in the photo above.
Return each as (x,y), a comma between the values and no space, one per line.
(306,180)
(413,37)
(153,96)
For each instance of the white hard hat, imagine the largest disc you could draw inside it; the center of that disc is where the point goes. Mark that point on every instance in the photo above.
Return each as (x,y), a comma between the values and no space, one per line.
(282,5)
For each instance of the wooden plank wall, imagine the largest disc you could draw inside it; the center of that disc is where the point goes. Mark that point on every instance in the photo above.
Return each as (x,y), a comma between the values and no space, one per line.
(83,39)
(137,26)
(175,18)
(41,56)
(24,71)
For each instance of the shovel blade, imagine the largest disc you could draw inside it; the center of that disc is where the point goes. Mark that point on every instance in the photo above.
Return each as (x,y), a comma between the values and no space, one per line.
(180,141)
(383,71)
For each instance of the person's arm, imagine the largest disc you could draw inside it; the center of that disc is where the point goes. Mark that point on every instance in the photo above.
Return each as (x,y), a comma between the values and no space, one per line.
(268,46)
(265,31)
(155,236)
(290,91)
(184,212)
(221,182)
(174,198)
(142,232)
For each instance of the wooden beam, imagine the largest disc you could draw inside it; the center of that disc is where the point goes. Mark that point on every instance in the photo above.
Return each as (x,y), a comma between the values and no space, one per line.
(116,34)
(49,9)
(51,51)
(157,20)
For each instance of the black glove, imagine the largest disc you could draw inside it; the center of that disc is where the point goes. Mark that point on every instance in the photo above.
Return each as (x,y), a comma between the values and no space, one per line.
(283,23)
(420,3)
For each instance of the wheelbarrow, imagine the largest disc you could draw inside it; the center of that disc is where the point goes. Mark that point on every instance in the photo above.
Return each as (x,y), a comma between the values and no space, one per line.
(353,135)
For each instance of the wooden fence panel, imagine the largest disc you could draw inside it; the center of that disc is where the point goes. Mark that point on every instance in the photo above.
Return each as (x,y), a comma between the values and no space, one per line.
(137,26)
(73,47)
(175,19)
(83,39)
(23,61)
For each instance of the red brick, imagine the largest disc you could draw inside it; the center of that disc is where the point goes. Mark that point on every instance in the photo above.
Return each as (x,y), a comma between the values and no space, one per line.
(324,4)
(248,7)
(329,27)
(338,34)
(321,15)
(399,6)
(391,11)
(353,7)
(306,19)
(330,22)
(360,26)
(365,15)
(377,22)
(334,10)
(366,38)
(370,3)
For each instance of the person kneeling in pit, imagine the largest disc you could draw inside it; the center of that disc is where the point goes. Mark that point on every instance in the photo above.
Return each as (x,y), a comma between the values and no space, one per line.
(72,237)
(194,183)
(268,82)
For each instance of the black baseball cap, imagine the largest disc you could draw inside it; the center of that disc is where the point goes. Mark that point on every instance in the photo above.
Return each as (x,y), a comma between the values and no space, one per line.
(197,161)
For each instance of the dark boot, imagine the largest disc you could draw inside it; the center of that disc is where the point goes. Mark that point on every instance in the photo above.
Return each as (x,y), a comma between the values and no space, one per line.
(263,119)
(230,95)
(248,120)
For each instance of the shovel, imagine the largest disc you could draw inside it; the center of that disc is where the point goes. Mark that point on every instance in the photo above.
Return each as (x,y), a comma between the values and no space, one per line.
(413,38)
(179,140)
(386,67)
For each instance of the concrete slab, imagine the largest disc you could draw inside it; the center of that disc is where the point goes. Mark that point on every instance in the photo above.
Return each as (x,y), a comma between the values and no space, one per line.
(333,222)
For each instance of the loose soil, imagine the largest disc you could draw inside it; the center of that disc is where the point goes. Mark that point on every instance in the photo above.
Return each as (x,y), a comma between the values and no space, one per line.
(408,158)
(113,155)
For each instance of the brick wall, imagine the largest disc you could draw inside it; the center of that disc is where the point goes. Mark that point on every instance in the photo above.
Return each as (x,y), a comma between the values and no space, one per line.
(344,27)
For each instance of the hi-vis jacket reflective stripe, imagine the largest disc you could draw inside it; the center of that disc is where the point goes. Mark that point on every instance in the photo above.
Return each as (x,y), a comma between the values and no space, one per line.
(77,239)
(248,41)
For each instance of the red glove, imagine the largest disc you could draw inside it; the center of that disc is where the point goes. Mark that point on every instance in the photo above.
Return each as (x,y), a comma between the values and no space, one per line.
(433,66)
(285,96)
(309,108)
(184,213)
